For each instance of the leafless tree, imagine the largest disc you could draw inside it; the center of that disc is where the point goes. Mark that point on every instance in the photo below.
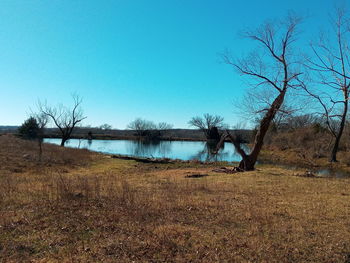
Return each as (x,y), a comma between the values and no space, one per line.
(141,126)
(105,127)
(331,66)
(207,123)
(64,118)
(301,121)
(42,120)
(273,68)
(256,100)
(149,129)
(162,126)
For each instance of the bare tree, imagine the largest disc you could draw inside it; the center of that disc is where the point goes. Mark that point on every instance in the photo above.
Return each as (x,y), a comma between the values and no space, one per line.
(255,102)
(207,123)
(141,126)
(272,68)
(105,126)
(162,126)
(64,118)
(331,66)
(42,120)
(149,129)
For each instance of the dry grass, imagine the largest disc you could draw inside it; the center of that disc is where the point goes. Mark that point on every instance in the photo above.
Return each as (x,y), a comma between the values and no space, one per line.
(122,211)
(19,156)
(308,146)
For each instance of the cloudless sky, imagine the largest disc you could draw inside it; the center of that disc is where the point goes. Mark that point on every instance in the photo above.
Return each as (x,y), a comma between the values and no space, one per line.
(155,59)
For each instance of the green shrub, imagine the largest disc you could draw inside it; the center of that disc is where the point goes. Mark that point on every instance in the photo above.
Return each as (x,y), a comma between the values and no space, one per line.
(29,129)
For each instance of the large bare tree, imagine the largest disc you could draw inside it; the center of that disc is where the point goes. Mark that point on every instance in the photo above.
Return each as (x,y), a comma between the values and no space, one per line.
(271,67)
(330,65)
(64,118)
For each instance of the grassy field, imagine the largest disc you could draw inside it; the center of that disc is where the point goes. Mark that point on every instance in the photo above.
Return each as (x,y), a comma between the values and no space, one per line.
(77,206)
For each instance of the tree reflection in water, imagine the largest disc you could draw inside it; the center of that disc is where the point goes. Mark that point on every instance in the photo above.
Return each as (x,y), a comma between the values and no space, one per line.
(149,148)
(183,150)
(209,154)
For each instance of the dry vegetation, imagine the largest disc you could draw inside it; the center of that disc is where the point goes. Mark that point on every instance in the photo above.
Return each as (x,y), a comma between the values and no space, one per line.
(307,146)
(110,210)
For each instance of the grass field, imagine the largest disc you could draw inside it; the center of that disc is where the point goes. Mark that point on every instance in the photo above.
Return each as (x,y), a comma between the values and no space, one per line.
(77,206)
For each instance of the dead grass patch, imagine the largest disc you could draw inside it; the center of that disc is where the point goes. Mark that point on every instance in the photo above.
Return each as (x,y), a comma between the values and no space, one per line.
(122,211)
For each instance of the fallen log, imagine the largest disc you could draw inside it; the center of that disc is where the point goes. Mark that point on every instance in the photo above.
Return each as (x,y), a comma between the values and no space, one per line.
(228,170)
(144,160)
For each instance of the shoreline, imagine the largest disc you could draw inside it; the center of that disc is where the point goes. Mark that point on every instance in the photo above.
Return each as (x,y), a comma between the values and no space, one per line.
(329,169)
(131,138)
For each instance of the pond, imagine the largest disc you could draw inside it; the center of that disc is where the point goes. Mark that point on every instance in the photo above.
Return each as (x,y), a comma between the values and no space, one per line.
(183,150)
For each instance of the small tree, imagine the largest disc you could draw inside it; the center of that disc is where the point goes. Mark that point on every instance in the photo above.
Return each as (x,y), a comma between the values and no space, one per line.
(29,129)
(208,124)
(42,120)
(64,118)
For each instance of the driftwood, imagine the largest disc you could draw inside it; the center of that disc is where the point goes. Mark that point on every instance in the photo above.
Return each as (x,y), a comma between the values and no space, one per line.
(228,170)
(143,160)
(196,175)
(157,160)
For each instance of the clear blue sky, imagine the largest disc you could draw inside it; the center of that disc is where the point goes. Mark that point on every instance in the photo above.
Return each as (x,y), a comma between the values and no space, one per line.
(155,59)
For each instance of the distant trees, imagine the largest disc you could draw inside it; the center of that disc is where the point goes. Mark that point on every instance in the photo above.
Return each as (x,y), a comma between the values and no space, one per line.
(208,124)
(141,126)
(148,129)
(330,67)
(105,127)
(64,118)
(270,69)
(162,126)
(300,121)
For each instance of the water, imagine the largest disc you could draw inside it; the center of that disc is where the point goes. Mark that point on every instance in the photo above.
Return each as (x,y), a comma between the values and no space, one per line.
(183,150)
(319,172)
(332,173)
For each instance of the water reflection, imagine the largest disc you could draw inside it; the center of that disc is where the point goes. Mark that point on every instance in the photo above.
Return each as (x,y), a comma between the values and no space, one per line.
(184,150)
(149,148)
(209,154)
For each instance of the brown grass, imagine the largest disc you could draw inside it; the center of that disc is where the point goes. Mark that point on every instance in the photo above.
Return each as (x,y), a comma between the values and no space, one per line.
(308,146)
(114,210)
(19,156)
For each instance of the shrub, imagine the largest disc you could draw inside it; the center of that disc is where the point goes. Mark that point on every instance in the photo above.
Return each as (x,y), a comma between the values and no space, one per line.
(29,129)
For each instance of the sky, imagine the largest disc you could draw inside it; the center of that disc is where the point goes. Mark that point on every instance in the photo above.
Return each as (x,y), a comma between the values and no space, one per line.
(154,59)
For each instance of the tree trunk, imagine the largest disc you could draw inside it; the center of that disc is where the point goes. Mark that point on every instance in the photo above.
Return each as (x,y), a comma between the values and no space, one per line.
(248,161)
(40,149)
(333,157)
(63,141)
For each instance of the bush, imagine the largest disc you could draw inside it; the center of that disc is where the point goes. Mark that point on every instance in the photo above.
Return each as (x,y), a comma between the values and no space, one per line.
(29,129)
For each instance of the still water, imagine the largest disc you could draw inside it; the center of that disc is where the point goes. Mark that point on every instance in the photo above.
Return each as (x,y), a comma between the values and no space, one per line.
(183,150)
